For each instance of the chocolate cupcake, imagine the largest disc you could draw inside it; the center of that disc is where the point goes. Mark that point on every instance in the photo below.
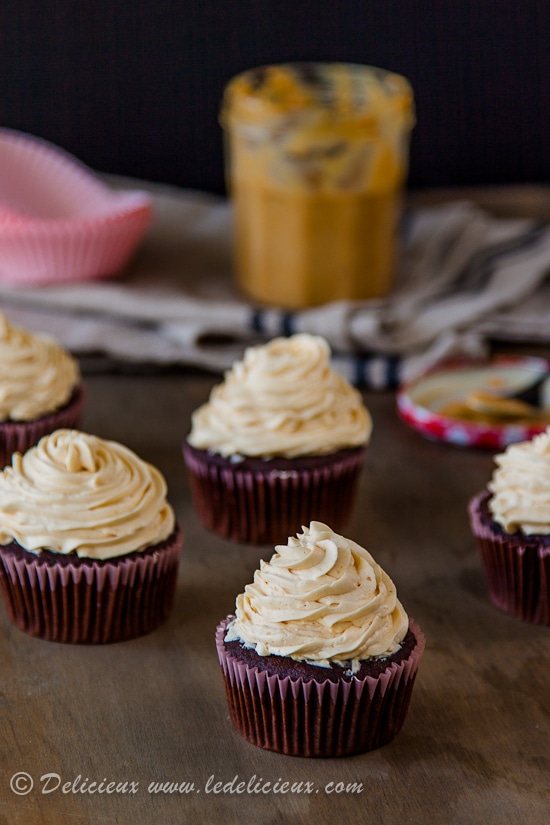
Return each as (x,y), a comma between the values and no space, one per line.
(320,659)
(511,522)
(280,441)
(40,389)
(89,545)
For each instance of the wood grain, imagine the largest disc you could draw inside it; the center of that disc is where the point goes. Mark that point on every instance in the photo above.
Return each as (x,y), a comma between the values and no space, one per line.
(474,747)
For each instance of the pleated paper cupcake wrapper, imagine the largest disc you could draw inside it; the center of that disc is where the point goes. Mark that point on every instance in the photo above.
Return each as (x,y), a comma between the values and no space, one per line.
(517,571)
(266,507)
(313,719)
(86,602)
(19,436)
(58,221)
(69,253)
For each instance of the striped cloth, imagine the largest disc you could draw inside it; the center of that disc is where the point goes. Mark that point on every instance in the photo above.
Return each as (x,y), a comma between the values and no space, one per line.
(465,278)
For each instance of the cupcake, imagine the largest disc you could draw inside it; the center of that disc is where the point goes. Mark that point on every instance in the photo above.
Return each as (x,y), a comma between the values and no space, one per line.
(40,389)
(280,441)
(511,522)
(89,545)
(320,657)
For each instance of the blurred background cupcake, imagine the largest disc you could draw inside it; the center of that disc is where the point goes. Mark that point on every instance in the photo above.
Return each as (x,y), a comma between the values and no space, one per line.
(280,441)
(89,545)
(320,658)
(40,389)
(511,522)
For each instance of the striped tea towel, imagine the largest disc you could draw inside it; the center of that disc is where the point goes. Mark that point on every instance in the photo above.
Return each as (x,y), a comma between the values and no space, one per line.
(465,278)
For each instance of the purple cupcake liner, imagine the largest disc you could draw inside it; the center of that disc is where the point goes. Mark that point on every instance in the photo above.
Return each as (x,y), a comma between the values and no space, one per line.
(19,436)
(265,501)
(87,601)
(517,567)
(310,718)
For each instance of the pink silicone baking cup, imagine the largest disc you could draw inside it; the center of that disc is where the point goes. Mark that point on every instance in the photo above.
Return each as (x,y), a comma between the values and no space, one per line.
(517,567)
(318,719)
(19,436)
(265,505)
(83,601)
(58,221)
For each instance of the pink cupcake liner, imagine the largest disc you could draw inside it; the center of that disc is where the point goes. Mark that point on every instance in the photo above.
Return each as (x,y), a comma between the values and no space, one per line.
(58,221)
(19,436)
(318,719)
(84,601)
(266,501)
(517,567)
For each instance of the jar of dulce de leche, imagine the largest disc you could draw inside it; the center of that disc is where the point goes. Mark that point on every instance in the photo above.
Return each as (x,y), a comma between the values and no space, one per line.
(316,159)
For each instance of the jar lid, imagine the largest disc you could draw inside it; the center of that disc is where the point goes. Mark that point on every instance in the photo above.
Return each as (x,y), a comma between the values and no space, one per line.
(486,404)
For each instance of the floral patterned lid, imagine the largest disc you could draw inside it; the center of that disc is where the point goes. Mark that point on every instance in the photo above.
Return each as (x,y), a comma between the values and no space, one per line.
(486,404)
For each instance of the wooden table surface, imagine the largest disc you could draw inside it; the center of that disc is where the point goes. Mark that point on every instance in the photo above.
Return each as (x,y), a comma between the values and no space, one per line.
(148,713)
(475,745)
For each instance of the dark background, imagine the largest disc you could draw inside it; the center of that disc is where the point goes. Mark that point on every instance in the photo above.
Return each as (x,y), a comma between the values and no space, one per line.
(133,88)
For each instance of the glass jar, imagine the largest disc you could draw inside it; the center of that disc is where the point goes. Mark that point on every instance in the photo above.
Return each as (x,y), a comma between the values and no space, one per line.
(316,160)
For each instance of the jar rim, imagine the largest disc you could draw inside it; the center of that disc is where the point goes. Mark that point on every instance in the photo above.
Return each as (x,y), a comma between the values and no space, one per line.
(335,91)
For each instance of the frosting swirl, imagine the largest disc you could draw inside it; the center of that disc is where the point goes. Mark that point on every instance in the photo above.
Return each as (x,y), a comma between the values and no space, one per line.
(76,493)
(283,399)
(322,599)
(37,376)
(521,487)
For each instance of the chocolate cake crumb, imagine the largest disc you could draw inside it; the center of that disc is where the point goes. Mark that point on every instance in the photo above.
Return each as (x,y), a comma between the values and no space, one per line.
(286,666)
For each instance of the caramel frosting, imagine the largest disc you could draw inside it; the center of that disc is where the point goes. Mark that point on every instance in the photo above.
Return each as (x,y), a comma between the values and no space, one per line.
(37,376)
(521,487)
(282,399)
(321,599)
(77,493)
